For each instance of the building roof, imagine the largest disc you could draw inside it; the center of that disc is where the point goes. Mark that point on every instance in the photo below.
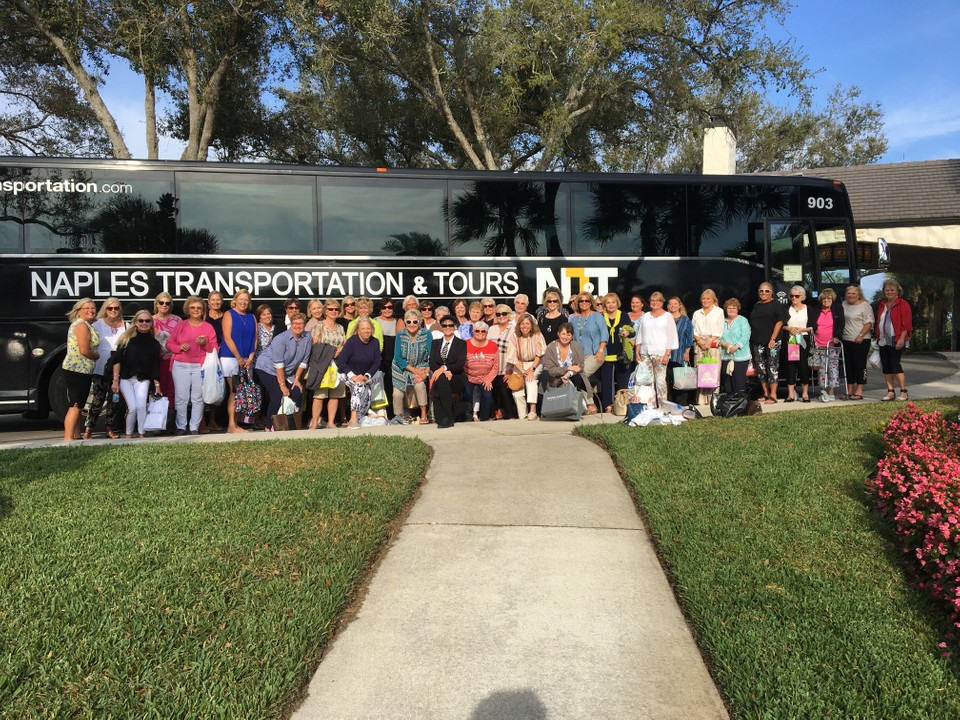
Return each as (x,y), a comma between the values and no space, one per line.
(898,194)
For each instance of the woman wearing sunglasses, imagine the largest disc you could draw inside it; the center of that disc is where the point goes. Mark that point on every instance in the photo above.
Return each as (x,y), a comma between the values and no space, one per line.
(109,325)
(411,365)
(767,319)
(136,368)
(164,322)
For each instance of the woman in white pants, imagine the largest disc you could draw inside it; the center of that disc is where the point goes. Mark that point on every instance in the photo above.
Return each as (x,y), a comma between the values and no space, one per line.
(137,366)
(524,355)
(190,342)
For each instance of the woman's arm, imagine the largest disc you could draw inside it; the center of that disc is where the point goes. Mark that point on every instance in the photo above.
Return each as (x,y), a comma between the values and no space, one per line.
(82,333)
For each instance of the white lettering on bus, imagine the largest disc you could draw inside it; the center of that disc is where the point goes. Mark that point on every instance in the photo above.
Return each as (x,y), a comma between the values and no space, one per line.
(477,282)
(63,186)
(584,280)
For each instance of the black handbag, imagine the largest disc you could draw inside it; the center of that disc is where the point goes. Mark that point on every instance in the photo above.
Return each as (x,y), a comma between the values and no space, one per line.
(729,404)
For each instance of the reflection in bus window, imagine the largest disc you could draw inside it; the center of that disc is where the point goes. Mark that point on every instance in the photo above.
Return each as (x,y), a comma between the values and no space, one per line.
(507,218)
(239,214)
(91,211)
(832,252)
(371,217)
(630,219)
(790,253)
(724,218)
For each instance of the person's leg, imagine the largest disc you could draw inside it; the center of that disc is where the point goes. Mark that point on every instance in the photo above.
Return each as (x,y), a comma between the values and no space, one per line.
(398,402)
(740,375)
(182,388)
(442,402)
(196,398)
(274,396)
(70,422)
(316,409)
(606,384)
(486,403)
(130,397)
(421,391)
(142,391)
(97,399)
(469,394)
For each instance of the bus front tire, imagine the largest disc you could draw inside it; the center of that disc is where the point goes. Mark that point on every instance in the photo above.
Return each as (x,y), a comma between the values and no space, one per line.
(57,393)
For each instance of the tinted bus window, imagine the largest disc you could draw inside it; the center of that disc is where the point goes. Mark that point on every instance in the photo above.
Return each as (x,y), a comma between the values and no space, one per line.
(629,219)
(90,210)
(246,214)
(508,218)
(724,218)
(372,217)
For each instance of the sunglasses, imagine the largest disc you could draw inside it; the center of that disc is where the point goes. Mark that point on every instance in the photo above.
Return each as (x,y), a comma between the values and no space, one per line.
(792,295)
(293,307)
(766,291)
(584,302)
(502,314)
(333,309)
(447,325)
(489,306)
(426,308)
(113,307)
(479,332)
(387,307)
(412,322)
(353,304)
(552,302)
(163,302)
(144,322)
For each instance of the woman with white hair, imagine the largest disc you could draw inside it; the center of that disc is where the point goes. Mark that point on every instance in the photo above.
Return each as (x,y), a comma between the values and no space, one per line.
(411,365)
(797,332)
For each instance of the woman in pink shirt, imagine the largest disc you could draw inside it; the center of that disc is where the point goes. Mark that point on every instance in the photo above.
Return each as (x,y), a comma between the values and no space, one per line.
(480,370)
(190,341)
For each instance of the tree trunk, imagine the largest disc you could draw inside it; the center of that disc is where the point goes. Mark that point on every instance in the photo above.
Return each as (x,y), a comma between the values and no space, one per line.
(150,113)
(87,84)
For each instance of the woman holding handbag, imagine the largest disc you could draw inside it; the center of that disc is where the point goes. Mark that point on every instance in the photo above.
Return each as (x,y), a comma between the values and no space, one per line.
(681,356)
(524,354)
(563,363)
(797,340)
(857,330)
(136,367)
(329,332)
(707,329)
(620,354)
(658,338)
(189,342)
(411,366)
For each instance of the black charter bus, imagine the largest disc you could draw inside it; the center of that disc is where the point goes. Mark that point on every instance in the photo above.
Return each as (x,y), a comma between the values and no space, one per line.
(73,228)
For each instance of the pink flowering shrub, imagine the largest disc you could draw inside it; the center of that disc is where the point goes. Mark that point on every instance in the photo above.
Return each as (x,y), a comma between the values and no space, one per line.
(917,487)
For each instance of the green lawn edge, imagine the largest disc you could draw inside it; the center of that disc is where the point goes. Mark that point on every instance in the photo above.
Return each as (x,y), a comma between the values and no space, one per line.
(789,579)
(186,580)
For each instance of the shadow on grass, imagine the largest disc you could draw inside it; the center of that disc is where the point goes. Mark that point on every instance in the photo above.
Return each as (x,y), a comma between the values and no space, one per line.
(21,468)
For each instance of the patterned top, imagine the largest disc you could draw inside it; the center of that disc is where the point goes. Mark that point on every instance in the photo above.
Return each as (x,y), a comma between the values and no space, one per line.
(412,351)
(163,329)
(74,361)
(322,334)
(264,338)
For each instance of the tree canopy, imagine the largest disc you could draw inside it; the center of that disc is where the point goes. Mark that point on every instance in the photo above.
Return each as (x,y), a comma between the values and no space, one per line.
(486,84)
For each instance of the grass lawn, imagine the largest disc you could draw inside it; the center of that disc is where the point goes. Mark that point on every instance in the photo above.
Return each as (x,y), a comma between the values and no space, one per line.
(187,580)
(789,578)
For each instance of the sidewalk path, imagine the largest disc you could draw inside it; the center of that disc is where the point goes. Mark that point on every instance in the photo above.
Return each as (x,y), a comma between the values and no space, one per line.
(523,585)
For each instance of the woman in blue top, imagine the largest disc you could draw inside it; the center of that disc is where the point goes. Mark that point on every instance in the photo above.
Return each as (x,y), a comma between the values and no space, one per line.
(680,356)
(590,331)
(238,348)
(411,363)
(734,348)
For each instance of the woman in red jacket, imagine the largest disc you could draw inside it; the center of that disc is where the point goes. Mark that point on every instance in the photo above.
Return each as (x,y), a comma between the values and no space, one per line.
(480,370)
(894,327)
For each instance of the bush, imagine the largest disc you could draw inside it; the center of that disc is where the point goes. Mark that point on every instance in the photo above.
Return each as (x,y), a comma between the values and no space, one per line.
(917,487)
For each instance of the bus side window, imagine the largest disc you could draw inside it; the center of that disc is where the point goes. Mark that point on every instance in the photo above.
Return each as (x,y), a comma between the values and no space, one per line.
(832,251)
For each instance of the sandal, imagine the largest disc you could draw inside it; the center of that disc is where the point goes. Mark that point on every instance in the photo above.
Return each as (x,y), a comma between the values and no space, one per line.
(889,396)
(903,395)
(113,435)
(87,434)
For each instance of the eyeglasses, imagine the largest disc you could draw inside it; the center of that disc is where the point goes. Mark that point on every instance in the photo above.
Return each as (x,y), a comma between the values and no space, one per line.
(794,295)
(766,291)
(195,307)
(502,314)
(412,322)
(489,306)
(142,321)
(479,332)
(293,307)
(163,302)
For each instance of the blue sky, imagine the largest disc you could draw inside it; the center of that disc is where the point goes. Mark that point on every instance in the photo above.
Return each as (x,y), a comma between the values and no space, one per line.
(900,54)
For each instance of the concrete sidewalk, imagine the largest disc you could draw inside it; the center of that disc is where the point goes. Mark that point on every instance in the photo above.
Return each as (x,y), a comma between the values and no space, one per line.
(523,585)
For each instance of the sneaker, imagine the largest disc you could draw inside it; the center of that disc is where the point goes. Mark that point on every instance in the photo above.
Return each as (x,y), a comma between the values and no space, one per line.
(354,425)
(531,416)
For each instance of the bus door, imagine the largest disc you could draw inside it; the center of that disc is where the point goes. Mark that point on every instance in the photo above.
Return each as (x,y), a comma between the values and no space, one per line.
(790,257)
(15,351)
(837,269)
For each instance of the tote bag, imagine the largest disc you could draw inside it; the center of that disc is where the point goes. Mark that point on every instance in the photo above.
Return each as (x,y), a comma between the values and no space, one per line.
(157,409)
(211,379)
(561,403)
(708,375)
(685,378)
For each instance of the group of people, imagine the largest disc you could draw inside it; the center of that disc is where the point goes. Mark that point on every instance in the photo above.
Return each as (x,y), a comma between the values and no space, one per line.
(486,360)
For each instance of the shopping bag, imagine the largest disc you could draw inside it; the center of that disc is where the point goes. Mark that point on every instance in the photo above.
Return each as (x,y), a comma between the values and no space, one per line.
(157,408)
(378,396)
(685,378)
(248,395)
(211,379)
(643,375)
(708,374)
(331,378)
(875,358)
(561,403)
(793,352)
